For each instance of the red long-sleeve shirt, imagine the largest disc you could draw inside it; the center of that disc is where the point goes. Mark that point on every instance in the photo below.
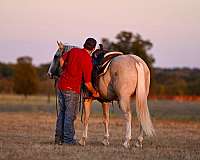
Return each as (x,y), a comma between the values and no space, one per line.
(77,64)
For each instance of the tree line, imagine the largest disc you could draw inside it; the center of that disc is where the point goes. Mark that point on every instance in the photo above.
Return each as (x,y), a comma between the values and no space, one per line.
(25,78)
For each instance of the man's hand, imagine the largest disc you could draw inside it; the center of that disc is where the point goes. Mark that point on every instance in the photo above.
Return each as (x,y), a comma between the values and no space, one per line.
(96,94)
(92,90)
(61,62)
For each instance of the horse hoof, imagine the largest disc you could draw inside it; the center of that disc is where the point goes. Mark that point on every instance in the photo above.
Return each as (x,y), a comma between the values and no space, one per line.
(138,144)
(126,144)
(82,141)
(105,142)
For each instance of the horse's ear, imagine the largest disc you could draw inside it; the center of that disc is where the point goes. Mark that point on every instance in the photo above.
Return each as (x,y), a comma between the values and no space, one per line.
(58,44)
(62,45)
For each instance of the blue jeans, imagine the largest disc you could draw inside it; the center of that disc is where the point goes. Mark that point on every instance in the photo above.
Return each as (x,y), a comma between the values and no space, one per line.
(68,103)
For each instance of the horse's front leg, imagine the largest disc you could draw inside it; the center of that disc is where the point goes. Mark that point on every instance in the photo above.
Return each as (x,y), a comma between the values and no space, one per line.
(105,107)
(140,138)
(86,115)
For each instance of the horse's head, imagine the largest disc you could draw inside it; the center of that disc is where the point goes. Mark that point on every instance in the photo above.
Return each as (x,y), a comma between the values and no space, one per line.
(54,69)
(63,48)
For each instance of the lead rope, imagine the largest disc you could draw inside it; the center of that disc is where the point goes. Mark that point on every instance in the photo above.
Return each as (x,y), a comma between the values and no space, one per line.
(112,107)
(56,97)
(82,114)
(81,105)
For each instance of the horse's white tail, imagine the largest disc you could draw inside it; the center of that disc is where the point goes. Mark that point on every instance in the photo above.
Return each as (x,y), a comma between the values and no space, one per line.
(142,91)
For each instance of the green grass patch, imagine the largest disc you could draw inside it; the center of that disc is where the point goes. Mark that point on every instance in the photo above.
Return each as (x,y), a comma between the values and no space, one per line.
(159,109)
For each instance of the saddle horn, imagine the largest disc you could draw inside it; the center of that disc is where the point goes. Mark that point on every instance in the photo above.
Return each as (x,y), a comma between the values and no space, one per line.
(101,46)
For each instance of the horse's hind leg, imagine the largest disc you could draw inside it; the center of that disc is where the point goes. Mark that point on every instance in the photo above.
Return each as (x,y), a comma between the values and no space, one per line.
(105,107)
(125,107)
(87,109)
(140,138)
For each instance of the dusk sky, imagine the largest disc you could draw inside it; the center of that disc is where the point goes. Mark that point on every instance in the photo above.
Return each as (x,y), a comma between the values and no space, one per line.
(32,27)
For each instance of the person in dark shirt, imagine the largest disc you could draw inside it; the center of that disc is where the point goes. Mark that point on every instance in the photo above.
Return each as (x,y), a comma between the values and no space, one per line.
(76,65)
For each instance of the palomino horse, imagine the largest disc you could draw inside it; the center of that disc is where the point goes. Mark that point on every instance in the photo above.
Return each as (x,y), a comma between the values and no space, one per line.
(126,75)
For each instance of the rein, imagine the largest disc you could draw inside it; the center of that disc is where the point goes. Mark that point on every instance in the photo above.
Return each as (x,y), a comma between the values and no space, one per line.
(55,82)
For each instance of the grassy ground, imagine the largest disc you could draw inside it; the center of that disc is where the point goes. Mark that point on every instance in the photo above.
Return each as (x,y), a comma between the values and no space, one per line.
(27,132)
(159,109)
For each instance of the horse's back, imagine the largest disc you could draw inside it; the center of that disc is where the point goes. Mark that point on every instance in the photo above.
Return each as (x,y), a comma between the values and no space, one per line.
(121,77)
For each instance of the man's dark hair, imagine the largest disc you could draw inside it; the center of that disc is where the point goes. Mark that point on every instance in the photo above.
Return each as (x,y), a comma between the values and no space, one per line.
(90,44)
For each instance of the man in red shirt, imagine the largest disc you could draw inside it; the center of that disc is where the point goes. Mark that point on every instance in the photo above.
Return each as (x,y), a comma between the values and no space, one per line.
(77,66)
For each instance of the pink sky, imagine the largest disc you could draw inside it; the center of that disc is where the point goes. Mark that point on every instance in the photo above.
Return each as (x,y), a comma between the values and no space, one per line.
(32,27)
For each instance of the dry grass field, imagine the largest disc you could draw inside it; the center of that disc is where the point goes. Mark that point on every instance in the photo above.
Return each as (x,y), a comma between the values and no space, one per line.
(27,133)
